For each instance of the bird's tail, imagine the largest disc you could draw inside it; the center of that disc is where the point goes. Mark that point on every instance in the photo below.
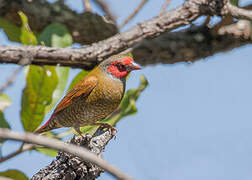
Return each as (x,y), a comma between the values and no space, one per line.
(41,129)
(49,125)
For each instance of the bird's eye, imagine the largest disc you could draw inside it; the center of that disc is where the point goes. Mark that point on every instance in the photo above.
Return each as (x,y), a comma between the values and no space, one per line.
(121,67)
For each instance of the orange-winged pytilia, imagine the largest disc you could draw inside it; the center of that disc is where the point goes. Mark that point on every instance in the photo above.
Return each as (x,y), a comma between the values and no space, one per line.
(94,97)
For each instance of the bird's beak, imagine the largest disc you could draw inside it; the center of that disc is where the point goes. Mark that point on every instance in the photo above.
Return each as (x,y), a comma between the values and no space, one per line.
(135,66)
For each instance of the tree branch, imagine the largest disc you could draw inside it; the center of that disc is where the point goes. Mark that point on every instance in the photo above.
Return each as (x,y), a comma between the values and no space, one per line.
(184,47)
(103,6)
(193,44)
(169,48)
(67,166)
(24,148)
(140,6)
(164,6)
(11,79)
(81,152)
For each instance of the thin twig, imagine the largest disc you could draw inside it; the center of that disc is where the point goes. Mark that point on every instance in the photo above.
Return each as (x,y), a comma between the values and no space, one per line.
(142,3)
(207,21)
(164,6)
(87,5)
(105,9)
(22,149)
(11,79)
(81,152)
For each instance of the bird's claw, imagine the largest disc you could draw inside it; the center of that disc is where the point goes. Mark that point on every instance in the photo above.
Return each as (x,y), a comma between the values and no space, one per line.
(112,129)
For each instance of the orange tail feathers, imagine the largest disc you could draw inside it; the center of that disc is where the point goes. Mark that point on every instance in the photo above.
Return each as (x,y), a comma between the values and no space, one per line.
(49,125)
(41,129)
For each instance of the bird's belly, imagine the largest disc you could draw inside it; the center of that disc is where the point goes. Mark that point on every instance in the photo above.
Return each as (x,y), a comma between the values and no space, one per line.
(96,112)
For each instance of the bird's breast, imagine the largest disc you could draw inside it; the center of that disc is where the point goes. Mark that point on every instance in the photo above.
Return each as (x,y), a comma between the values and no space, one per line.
(102,101)
(107,92)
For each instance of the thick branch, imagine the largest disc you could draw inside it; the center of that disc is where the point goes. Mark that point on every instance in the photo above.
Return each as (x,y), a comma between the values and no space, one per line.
(193,44)
(183,46)
(80,152)
(85,27)
(98,51)
(180,50)
(67,166)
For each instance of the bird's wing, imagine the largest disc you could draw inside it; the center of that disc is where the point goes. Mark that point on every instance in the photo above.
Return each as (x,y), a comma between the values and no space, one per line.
(83,88)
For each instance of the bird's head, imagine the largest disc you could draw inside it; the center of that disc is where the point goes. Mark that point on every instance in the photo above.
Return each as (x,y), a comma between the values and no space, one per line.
(119,66)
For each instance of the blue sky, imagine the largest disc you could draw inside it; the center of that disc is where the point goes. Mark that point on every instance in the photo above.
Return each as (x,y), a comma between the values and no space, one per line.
(194,121)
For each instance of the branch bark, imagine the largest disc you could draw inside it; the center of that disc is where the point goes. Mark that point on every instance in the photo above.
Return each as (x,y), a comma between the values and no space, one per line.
(173,47)
(185,47)
(86,158)
(89,56)
(192,44)
(67,166)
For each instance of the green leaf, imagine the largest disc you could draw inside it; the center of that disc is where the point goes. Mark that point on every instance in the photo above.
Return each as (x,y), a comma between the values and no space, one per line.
(77,78)
(234,2)
(40,84)
(47,151)
(62,73)
(129,54)
(3,122)
(5,101)
(14,174)
(128,104)
(12,31)
(27,37)
(56,35)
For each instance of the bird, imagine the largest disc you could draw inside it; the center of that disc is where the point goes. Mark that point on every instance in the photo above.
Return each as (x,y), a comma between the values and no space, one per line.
(94,97)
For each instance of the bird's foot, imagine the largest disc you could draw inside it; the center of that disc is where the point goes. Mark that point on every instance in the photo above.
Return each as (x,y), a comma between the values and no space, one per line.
(82,134)
(111,128)
(113,131)
(77,129)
